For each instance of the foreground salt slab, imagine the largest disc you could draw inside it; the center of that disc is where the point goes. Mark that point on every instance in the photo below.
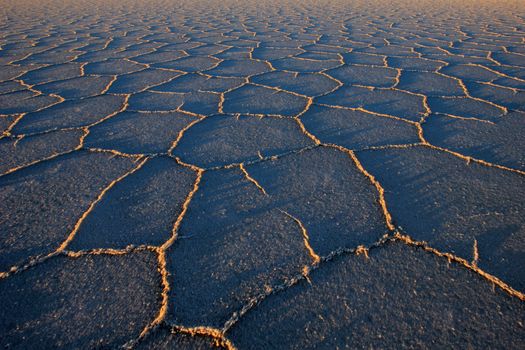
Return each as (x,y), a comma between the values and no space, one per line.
(233,245)
(398,295)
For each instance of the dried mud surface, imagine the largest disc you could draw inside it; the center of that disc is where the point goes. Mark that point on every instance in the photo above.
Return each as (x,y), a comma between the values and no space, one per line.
(257,175)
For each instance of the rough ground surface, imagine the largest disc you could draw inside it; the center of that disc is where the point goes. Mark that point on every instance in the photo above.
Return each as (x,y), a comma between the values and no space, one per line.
(258,175)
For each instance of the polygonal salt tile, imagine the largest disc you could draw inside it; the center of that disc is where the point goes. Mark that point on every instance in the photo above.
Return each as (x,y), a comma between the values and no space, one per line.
(363,75)
(323,188)
(221,140)
(100,55)
(516,72)
(414,63)
(159,56)
(208,49)
(390,50)
(51,57)
(440,198)
(253,99)
(273,53)
(75,88)
(500,144)
(25,101)
(190,63)
(151,101)
(52,73)
(283,43)
(239,68)
(356,129)
(193,82)
(11,86)
(304,65)
(319,55)
(510,82)
(113,67)
(141,80)
(41,204)
(70,114)
(133,132)
(235,53)
(9,72)
(18,153)
(364,58)
(512,99)
(93,301)
(469,72)
(465,107)
(318,47)
(397,103)
(141,209)
(510,59)
(309,84)
(177,46)
(240,43)
(429,84)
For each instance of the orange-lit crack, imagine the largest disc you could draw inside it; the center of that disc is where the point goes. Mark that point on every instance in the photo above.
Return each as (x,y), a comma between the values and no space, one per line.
(251,179)
(469,265)
(181,134)
(7,131)
(218,337)
(466,118)
(306,239)
(260,158)
(34,261)
(475,254)
(373,181)
(469,159)
(162,262)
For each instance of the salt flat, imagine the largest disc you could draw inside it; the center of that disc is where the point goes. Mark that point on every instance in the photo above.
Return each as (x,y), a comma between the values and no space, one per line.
(262,174)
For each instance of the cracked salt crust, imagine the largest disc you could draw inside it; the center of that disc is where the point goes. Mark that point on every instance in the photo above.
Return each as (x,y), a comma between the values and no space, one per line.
(438,75)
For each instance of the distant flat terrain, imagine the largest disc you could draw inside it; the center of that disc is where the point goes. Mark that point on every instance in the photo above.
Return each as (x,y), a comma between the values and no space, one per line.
(262,174)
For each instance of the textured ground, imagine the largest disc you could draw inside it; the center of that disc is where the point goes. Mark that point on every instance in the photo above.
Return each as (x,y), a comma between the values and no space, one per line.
(190,175)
